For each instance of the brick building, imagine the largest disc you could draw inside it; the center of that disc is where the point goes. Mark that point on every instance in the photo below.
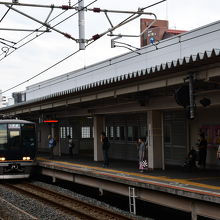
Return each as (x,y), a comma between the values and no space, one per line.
(158,31)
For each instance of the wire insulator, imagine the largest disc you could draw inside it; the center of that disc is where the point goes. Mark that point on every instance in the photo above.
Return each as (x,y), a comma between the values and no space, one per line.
(67,35)
(96,10)
(66,7)
(96,37)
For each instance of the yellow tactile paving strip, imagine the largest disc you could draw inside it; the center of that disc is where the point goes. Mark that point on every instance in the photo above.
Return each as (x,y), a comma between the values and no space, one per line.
(145,178)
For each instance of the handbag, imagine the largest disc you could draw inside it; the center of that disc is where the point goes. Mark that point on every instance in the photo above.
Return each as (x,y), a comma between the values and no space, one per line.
(143,165)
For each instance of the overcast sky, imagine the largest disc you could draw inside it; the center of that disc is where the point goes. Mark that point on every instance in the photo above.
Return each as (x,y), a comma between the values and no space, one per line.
(49,48)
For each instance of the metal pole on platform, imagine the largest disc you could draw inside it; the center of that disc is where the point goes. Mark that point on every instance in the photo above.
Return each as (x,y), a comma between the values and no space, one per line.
(191,97)
(81,24)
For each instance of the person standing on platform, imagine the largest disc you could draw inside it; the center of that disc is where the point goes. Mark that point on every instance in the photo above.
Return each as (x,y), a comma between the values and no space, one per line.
(218,153)
(142,155)
(70,145)
(51,145)
(105,147)
(202,150)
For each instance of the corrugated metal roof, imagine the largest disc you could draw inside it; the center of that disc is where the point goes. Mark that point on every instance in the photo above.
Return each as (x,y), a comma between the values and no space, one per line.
(159,68)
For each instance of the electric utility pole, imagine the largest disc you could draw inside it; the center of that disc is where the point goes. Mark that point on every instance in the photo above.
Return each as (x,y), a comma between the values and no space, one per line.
(81,24)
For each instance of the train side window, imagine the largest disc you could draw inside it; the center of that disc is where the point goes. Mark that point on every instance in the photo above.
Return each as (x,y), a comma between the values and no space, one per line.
(3,136)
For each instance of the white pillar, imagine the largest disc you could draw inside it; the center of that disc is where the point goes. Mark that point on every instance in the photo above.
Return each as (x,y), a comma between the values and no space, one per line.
(155,143)
(98,129)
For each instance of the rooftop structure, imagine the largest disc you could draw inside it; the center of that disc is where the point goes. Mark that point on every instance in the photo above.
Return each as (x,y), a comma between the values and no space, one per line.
(159,31)
(178,47)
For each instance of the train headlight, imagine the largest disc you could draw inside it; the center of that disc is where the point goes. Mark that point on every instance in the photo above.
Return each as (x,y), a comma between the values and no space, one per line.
(26,158)
(2,158)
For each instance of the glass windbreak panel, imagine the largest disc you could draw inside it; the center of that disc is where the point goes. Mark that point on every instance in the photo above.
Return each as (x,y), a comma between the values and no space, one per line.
(106,131)
(135,133)
(3,137)
(28,135)
(14,136)
(111,132)
(130,133)
(167,133)
(143,132)
(85,132)
(117,130)
(122,133)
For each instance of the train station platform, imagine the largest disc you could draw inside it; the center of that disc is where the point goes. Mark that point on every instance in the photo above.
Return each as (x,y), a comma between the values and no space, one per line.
(196,191)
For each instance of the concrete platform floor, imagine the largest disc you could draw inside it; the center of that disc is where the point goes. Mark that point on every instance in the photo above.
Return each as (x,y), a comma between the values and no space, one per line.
(207,179)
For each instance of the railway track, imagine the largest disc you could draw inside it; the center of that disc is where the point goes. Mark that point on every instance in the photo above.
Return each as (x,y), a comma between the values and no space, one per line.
(66,204)
(5,213)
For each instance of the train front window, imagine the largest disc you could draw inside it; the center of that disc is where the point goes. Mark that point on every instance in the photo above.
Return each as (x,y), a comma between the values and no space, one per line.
(14,136)
(3,137)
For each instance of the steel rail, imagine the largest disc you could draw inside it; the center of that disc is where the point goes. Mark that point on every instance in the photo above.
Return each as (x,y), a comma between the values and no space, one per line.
(4,214)
(75,205)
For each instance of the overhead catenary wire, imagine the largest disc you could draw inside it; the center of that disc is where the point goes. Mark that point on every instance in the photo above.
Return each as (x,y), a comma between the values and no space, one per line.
(130,57)
(45,70)
(7,44)
(9,53)
(5,14)
(138,13)
(153,4)
(95,37)
(43,23)
(133,16)
(128,46)
(63,7)
(32,34)
(36,30)
(40,73)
